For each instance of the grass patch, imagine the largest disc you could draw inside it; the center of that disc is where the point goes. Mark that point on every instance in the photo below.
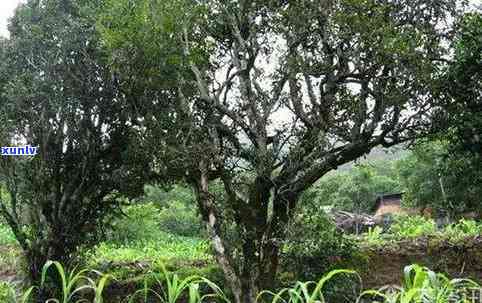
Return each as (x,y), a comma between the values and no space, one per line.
(167,246)
(6,235)
(415,228)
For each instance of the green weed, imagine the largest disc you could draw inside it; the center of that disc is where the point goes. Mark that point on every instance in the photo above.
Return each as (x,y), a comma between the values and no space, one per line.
(173,288)
(6,235)
(422,285)
(304,292)
(412,227)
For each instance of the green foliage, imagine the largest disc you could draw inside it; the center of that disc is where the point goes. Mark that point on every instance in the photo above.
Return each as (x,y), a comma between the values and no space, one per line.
(60,96)
(139,223)
(463,229)
(461,85)
(421,284)
(411,226)
(7,293)
(305,292)
(72,284)
(447,182)
(147,223)
(419,176)
(314,244)
(373,236)
(354,190)
(167,246)
(174,288)
(163,197)
(177,211)
(180,219)
(6,235)
(149,41)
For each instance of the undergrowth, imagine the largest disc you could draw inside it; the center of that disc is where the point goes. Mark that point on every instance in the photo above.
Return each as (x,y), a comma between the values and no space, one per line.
(419,285)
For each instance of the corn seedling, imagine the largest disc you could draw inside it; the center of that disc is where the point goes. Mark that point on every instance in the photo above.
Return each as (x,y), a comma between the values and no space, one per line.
(172,288)
(305,292)
(422,285)
(74,283)
(7,293)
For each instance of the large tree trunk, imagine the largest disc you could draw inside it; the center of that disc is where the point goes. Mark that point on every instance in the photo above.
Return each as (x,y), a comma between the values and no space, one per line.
(208,211)
(261,233)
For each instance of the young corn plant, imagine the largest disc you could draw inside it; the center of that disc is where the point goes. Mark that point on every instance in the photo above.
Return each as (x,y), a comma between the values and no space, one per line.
(173,289)
(9,295)
(99,286)
(305,292)
(75,283)
(422,285)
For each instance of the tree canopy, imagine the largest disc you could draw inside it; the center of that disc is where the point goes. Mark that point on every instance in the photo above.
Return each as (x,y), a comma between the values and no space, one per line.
(266,97)
(248,102)
(59,95)
(463,86)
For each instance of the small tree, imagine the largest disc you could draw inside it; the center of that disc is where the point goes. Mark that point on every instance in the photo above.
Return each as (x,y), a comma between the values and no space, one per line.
(58,95)
(462,86)
(266,97)
(444,173)
(434,177)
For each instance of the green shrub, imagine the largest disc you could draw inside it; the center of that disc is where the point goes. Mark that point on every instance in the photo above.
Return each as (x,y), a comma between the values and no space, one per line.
(162,198)
(178,214)
(177,218)
(412,226)
(140,223)
(145,221)
(6,235)
(314,245)
(7,294)
(462,229)
(468,227)
(373,236)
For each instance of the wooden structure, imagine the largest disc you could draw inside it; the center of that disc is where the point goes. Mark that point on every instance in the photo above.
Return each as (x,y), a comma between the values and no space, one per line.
(389,204)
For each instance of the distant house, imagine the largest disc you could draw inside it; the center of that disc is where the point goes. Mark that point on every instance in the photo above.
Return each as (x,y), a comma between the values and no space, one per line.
(388,204)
